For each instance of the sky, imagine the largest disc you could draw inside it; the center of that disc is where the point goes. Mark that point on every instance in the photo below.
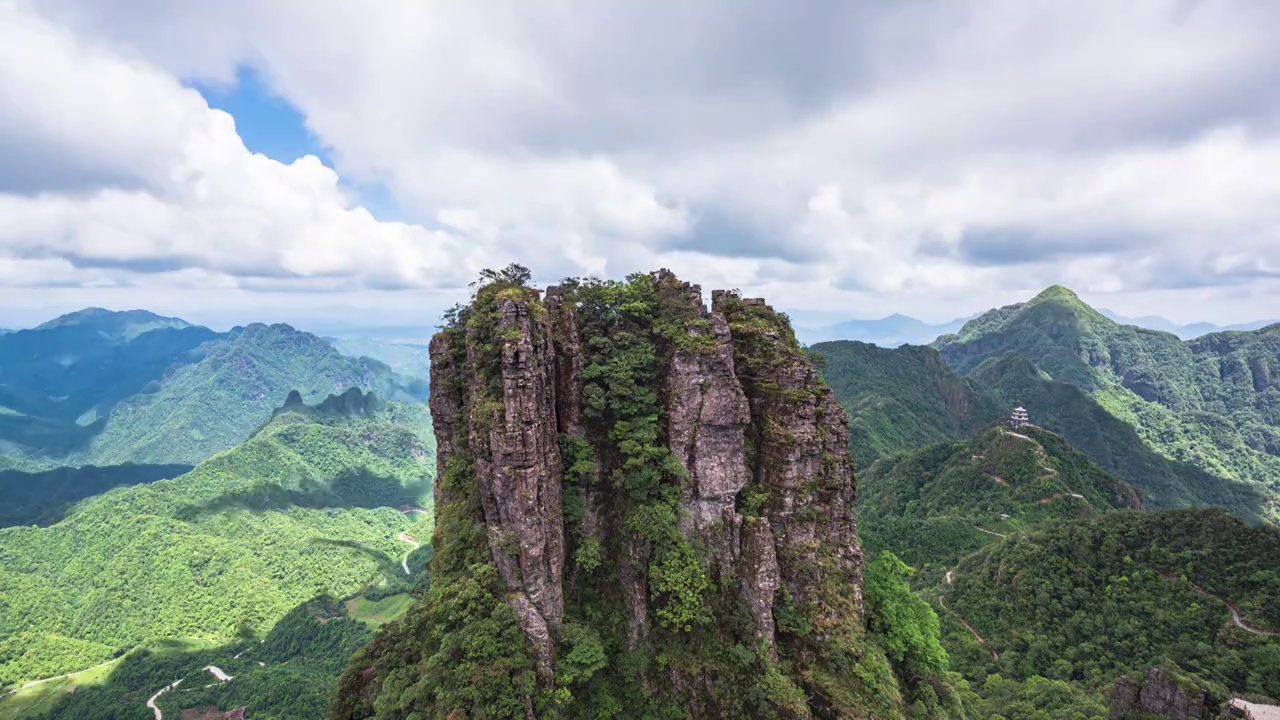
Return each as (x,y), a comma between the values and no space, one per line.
(342,165)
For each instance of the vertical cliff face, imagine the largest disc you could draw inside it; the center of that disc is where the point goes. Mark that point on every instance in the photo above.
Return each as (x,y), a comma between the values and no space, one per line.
(645,509)
(1163,693)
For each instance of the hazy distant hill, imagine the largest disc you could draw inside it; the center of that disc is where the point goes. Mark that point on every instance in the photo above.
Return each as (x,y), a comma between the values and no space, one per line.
(1186,332)
(407,358)
(104,388)
(890,331)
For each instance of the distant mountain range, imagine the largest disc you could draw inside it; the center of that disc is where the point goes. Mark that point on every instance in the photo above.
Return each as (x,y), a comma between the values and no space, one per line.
(104,387)
(1186,332)
(898,329)
(890,331)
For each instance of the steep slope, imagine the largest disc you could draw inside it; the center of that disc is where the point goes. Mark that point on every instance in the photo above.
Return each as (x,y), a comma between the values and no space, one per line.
(1087,600)
(305,505)
(942,502)
(1210,403)
(901,399)
(106,388)
(644,510)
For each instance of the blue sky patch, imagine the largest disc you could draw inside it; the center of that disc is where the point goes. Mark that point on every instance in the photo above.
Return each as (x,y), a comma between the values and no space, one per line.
(266,122)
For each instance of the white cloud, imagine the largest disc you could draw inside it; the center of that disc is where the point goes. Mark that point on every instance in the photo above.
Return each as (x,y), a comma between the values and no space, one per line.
(837,153)
(151,179)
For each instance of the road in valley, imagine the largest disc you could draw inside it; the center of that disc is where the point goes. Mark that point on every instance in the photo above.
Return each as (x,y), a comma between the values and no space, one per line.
(151,702)
(406,537)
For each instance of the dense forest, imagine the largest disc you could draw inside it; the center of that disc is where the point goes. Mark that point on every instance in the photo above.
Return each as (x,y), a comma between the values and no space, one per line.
(938,504)
(305,506)
(1083,601)
(289,675)
(43,498)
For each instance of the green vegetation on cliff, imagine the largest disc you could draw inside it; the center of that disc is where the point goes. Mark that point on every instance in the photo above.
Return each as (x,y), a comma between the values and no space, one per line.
(650,558)
(304,506)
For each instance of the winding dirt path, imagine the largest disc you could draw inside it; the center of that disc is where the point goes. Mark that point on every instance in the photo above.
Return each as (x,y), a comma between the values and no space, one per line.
(995,656)
(406,537)
(217,672)
(151,702)
(990,532)
(1235,614)
(214,670)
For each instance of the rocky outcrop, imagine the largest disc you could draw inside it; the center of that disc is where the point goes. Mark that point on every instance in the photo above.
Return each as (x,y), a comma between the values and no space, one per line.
(707,419)
(1239,708)
(512,444)
(803,463)
(738,498)
(1163,693)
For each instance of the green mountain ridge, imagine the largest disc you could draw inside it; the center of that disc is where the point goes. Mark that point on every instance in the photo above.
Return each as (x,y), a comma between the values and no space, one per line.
(936,504)
(1114,444)
(302,507)
(1213,403)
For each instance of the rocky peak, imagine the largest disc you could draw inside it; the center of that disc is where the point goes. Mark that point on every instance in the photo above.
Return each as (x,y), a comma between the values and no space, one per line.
(664,492)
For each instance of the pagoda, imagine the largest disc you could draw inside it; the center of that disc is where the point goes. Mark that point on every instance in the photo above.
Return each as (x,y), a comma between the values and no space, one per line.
(1019,418)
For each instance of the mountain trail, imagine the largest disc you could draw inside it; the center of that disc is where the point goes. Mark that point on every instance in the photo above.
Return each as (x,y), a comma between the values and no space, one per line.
(1235,613)
(990,532)
(217,672)
(995,656)
(151,702)
(406,537)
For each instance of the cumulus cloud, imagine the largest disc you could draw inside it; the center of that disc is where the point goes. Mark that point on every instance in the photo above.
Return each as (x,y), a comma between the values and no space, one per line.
(114,169)
(829,153)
